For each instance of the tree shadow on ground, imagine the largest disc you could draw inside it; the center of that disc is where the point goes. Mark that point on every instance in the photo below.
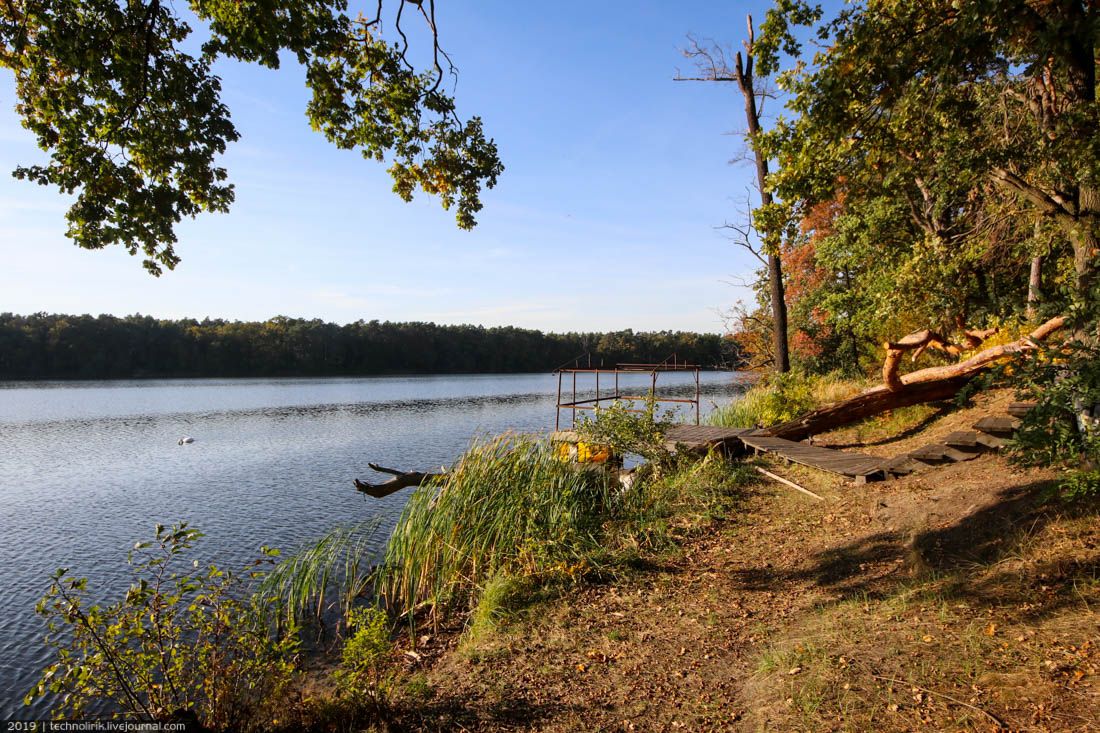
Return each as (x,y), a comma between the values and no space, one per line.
(967,555)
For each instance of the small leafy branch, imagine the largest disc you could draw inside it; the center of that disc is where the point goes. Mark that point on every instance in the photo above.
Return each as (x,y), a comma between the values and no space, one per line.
(627,430)
(184,646)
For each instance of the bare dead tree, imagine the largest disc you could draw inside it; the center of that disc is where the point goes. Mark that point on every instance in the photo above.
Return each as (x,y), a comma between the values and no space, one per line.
(714,66)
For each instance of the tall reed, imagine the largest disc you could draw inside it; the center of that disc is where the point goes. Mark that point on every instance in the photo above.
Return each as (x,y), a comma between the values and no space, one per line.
(326,576)
(508,505)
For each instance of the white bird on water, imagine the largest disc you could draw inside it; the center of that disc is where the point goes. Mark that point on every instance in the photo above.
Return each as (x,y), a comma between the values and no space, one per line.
(186,439)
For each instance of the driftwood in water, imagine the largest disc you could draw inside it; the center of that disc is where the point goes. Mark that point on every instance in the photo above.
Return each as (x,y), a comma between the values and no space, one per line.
(400,480)
(925,385)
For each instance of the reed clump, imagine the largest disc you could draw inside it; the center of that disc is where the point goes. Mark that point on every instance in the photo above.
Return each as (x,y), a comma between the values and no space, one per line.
(509,506)
(329,575)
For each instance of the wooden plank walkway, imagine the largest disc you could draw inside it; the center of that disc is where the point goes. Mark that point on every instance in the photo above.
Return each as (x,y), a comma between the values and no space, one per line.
(703,437)
(859,466)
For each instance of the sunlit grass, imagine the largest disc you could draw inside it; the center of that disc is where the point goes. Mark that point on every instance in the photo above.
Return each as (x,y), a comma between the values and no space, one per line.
(779,398)
(508,506)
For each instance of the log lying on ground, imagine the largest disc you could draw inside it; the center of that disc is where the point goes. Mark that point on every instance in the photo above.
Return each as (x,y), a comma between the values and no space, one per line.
(925,385)
(400,480)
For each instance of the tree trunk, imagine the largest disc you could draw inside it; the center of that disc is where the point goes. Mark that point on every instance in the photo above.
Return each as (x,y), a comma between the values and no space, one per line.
(925,385)
(1086,242)
(771,239)
(1033,284)
(742,74)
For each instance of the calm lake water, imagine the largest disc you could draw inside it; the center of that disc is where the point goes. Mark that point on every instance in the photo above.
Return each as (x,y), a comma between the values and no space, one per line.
(87,469)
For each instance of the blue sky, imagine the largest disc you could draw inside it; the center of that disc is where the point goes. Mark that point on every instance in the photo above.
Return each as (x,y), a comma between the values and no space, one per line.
(616,177)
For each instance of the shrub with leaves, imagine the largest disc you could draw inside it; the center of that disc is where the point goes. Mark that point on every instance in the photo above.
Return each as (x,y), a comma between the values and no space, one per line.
(627,431)
(1061,429)
(361,675)
(184,643)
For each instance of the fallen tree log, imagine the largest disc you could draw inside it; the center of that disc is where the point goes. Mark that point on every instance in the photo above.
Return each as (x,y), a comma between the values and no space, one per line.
(925,385)
(400,480)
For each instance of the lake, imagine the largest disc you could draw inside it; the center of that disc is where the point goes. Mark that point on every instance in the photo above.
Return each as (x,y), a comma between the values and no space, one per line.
(87,469)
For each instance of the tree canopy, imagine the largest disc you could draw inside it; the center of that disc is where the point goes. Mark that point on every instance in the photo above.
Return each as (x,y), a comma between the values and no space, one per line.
(129,108)
(931,153)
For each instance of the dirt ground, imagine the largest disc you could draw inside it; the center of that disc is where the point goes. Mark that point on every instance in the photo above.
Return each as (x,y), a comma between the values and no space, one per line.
(953,599)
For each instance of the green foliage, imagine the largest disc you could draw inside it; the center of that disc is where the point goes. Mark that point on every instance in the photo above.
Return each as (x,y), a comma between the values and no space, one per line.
(931,151)
(1080,485)
(183,642)
(641,433)
(507,506)
(133,120)
(362,672)
(501,597)
(781,397)
(1063,382)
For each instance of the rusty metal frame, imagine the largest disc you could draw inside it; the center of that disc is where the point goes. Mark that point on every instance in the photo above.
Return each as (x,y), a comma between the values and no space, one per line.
(573,368)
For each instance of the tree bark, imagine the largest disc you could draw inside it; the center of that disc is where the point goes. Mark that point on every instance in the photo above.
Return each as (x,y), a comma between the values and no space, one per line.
(744,76)
(925,385)
(400,480)
(1034,282)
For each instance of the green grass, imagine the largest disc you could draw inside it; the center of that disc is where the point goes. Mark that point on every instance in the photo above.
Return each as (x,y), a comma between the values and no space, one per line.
(329,574)
(782,397)
(508,526)
(508,506)
(511,524)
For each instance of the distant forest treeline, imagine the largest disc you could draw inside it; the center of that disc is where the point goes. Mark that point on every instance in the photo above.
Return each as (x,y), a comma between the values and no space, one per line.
(48,346)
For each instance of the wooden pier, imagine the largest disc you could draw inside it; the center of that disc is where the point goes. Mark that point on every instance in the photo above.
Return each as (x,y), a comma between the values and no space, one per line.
(858,466)
(705,437)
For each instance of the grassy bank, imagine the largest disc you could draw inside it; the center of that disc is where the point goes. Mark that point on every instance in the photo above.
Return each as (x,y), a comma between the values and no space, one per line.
(777,398)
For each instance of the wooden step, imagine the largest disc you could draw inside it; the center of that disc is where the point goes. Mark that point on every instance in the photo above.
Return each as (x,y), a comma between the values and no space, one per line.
(700,438)
(1019,409)
(992,442)
(939,453)
(901,465)
(857,466)
(1000,426)
(963,440)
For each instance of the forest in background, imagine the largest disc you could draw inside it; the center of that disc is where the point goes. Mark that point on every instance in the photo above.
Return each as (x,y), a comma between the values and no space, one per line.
(49,346)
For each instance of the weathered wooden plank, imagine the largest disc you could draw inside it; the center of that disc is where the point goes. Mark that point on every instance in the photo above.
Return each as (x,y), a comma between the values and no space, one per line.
(937,452)
(997,425)
(1019,409)
(901,465)
(702,437)
(991,441)
(962,439)
(853,465)
(691,433)
(931,453)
